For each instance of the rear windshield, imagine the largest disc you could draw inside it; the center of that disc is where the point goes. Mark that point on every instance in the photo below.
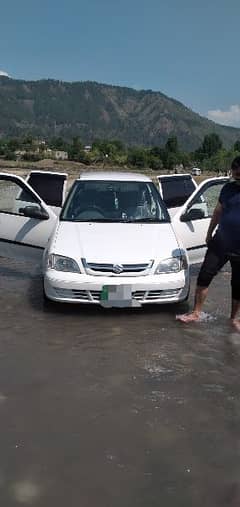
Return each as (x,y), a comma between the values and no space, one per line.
(49,187)
(176,191)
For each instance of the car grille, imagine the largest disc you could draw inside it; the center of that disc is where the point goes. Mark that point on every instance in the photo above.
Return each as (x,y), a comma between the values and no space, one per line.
(112,269)
(94,295)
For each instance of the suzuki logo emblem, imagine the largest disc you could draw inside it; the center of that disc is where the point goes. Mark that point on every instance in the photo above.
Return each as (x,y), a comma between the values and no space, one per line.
(118,268)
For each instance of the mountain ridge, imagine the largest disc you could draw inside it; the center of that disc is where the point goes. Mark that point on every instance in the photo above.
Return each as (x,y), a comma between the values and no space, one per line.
(91,110)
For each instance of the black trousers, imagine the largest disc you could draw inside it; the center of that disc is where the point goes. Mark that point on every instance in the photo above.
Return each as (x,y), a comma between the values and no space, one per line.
(214,260)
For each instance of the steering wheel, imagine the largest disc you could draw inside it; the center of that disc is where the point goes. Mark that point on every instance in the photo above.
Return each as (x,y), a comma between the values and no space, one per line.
(90,213)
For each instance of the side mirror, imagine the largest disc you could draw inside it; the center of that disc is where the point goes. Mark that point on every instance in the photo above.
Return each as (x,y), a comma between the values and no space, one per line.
(34,212)
(193,214)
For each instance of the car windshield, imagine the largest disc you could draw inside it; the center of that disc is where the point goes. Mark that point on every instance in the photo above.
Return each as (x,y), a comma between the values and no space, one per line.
(114,201)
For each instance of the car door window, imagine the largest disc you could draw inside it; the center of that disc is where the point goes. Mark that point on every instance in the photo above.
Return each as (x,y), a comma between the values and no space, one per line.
(49,186)
(13,198)
(176,191)
(203,205)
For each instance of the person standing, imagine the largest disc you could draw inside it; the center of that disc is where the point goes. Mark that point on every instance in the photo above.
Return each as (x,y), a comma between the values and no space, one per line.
(223,246)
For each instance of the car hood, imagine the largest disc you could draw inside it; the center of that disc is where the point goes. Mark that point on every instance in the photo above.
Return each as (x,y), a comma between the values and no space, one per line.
(114,242)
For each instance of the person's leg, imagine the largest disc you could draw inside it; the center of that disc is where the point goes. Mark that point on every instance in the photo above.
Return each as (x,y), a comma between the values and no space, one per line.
(213,262)
(200,296)
(235,282)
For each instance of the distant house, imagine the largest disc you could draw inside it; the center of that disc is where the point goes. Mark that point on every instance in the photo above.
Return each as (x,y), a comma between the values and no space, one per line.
(39,142)
(196,171)
(55,154)
(60,155)
(46,153)
(19,154)
(87,148)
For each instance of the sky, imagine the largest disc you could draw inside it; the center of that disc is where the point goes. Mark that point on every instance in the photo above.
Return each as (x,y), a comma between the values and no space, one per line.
(186,49)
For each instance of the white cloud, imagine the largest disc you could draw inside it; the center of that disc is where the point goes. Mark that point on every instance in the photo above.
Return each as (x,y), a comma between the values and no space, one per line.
(229,117)
(3,73)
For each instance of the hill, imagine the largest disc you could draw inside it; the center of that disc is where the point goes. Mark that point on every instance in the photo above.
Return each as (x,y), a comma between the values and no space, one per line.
(90,110)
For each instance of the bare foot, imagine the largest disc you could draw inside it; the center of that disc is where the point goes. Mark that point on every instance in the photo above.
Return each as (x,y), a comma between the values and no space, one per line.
(189,317)
(236,324)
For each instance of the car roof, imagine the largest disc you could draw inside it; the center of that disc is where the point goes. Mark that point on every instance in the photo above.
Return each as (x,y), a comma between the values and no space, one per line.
(114,176)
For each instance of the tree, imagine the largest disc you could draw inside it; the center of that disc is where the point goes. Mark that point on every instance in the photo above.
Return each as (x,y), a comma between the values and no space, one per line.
(172,160)
(75,149)
(31,157)
(10,155)
(2,147)
(83,157)
(109,147)
(58,143)
(137,157)
(153,161)
(27,142)
(185,158)
(172,144)
(236,146)
(211,144)
(13,144)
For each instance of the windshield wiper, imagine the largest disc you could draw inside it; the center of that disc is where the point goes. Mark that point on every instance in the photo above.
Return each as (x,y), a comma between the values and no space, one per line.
(145,220)
(118,220)
(100,220)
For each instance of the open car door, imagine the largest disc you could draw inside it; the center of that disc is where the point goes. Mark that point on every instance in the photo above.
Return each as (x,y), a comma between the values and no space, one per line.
(26,222)
(175,189)
(50,186)
(191,222)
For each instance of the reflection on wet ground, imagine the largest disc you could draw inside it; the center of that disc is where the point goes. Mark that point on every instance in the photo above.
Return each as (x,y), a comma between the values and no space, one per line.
(116,407)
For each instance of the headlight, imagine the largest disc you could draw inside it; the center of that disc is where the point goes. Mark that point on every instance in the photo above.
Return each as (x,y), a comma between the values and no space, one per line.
(61,263)
(172,265)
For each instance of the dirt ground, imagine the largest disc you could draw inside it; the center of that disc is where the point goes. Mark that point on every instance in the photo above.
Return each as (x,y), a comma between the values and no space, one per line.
(75,168)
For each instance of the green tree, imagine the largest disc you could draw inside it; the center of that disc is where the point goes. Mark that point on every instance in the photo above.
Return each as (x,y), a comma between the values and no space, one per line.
(154,156)
(236,146)
(13,144)
(2,147)
(10,155)
(58,143)
(27,142)
(137,156)
(109,147)
(75,149)
(211,144)
(185,158)
(31,157)
(172,144)
(154,162)
(172,160)
(83,157)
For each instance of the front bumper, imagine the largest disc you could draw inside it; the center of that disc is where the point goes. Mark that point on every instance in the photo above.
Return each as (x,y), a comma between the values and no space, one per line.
(81,288)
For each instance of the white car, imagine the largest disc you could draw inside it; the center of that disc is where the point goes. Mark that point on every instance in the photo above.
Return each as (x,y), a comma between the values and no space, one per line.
(113,243)
(196,171)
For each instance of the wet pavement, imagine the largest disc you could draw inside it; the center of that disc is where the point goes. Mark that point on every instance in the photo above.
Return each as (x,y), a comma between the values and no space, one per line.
(113,408)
